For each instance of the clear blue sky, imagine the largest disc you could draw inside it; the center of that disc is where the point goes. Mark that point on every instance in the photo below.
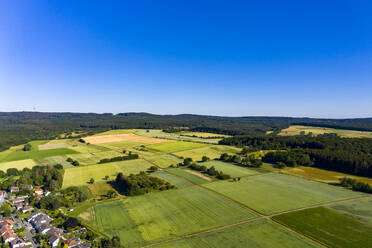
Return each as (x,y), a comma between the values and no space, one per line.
(234,58)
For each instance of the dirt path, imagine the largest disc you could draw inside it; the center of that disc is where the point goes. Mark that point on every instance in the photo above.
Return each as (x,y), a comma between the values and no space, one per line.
(198,174)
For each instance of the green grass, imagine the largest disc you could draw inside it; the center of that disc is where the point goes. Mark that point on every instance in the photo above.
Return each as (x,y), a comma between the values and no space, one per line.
(212,152)
(113,219)
(117,131)
(187,175)
(329,227)
(167,214)
(230,169)
(100,189)
(256,234)
(19,164)
(132,146)
(34,154)
(171,147)
(296,130)
(175,136)
(172,179)
(94,158)
(54,160)
(83,148)
(164,160)
(80,175)
(360,209)
(272,192)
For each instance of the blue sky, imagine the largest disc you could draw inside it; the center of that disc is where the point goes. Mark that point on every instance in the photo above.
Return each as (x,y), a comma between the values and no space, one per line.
(233,58)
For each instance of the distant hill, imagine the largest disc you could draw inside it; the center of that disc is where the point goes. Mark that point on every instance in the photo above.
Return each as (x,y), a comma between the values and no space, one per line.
(20,127)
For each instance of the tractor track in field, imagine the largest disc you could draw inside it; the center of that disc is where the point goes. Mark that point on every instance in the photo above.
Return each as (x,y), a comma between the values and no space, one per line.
(260,217)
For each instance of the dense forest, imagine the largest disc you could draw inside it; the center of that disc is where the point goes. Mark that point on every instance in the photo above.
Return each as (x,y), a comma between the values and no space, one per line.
(21,127)
(349,155)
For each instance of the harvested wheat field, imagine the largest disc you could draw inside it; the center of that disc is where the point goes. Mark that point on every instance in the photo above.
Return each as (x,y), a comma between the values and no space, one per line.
(123,137)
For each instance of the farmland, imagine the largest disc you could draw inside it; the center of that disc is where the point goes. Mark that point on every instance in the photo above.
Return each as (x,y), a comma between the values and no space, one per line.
(167,214)
(258,207)
(272,193)
(77,176)
(230,169)
(173,147)
(296,130)
(329,227)
(258,234)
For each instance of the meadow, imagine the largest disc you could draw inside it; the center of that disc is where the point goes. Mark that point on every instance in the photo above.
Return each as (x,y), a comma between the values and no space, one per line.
(19,164)
(230,169)
(187,175)
(272,192)
(164,160)
(80,175)
(329,227)
(167,214)
(33,154)
(256,234)
(172,179)
(175,136)
(212,152)
(98,139)
(94,158)
(296,130)
(177,146)
(359,209)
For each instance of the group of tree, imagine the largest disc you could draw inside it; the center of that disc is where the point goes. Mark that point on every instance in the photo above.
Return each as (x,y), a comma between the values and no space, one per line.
(73,161)
(138,184)
(348,155)
(27,147)
(48,177)
(119,158)
(211,171)
(243,160)
(355,185)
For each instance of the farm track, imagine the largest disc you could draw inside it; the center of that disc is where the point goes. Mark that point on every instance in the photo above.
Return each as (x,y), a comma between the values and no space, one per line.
(260,217)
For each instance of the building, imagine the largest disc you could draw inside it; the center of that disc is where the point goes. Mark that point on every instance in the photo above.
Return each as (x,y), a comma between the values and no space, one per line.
(14,189)
(9,236)
(2,195)
(19,206)
(28,186)
(20,243)
(38,192)
(53,240)
(27,209)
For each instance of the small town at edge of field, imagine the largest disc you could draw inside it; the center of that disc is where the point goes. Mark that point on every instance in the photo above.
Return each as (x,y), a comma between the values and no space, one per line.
(180,188)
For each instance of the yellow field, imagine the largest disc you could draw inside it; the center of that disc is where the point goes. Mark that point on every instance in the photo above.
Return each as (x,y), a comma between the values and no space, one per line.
(100,189)
(203,135)
(99,139)
(296,130)
(54,144)
(321,175)
(118,131)
(19,164)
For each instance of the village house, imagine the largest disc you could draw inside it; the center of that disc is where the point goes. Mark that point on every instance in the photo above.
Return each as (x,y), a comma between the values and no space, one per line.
(14,189)
(20,243)
(38,192)
(27,186)
(19,206)
(2,195)
(6,230)
(27,209)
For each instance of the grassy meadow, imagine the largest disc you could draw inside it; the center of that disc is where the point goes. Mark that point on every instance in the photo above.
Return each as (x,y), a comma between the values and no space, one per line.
(77,176)
(329,227)
(154,217)
(296,130)
(271,193)
(256,234)
(230,169)
(193,178)
(178,146)
(172,179)
(212,152)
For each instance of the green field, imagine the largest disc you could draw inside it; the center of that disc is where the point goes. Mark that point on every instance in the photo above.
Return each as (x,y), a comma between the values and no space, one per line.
(296,130)
(187,175)
(360,209)
(329,227)
(19,164)
(94,158)
(212,152)
(99,189)
(164,160)
(54,160)
(175,136)
(167,214)
(80,175)
(117,131)
(172,179)
(34,154)
(177,146)
(83,148)
(256,234)
(272,192)
(230,169)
